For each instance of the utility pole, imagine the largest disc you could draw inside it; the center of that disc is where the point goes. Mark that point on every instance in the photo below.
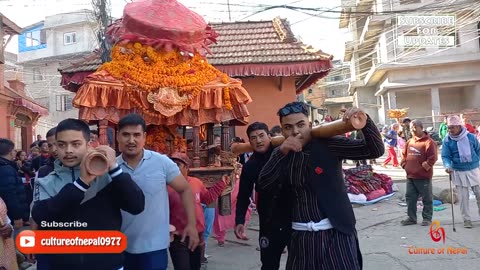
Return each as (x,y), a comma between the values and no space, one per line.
(102,17)
(229,14)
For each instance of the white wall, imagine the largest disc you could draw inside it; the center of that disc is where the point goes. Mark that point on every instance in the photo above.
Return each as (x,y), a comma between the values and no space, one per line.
(454,99)
(365,98)
(418,102)
(46,90)
(453,71)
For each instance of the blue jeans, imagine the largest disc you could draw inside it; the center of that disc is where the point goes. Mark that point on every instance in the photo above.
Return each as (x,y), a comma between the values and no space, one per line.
(155,260)
(209,214)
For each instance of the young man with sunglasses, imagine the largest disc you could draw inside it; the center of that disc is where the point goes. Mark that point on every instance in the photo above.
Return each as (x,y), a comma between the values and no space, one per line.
(309,171)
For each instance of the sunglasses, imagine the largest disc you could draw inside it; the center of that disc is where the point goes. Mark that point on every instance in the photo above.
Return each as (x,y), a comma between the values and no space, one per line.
(297,108)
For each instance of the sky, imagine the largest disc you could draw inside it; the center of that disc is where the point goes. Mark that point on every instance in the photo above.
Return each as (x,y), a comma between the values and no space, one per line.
(320,32)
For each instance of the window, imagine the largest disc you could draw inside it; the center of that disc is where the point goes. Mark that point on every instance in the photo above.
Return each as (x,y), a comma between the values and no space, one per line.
(64,103)
(69,38)
(409,50)
(333,93)
(37,75)
(310,90)
(449,31)
(35,38)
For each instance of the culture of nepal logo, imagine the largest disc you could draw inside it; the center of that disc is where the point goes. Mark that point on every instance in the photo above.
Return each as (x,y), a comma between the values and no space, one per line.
(437,234)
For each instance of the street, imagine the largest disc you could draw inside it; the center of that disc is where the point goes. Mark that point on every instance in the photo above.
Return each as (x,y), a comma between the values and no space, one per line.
(384,242)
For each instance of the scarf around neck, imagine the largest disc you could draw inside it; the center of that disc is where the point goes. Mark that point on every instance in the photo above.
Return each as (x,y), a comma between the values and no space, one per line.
(463,145)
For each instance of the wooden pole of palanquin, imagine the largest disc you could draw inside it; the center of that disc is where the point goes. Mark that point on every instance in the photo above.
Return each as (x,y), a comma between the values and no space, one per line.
(325,130)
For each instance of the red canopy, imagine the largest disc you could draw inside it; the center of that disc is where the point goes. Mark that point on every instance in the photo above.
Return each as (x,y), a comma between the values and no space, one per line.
(162,23)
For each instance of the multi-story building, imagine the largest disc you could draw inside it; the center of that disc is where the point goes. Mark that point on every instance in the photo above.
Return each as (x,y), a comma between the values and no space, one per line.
(432,81)
(314,96)
(330,94)
(337,97)
(18,112)
(46,46)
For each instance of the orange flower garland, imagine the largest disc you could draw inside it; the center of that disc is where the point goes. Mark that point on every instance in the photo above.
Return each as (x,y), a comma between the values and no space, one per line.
(164,140)
(148,69)
(226,93)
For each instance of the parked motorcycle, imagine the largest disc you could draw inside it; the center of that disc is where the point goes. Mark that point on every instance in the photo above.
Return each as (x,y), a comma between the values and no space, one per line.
(434,135)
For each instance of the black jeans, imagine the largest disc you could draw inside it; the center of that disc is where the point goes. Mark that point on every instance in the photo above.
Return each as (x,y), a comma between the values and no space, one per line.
(415,188)
(182,257)
(272,244)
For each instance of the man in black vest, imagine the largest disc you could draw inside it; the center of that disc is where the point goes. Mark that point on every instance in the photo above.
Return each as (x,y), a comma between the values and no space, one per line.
(274,234)
(309,170)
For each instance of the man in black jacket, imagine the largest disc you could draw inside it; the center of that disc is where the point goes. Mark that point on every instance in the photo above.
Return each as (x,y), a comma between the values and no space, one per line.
(71,193)
(309,170)
(274,229)
(11,186)
(43,158)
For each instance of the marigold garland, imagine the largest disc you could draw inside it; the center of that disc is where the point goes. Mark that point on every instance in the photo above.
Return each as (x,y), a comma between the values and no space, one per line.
(148,69)
(165,140)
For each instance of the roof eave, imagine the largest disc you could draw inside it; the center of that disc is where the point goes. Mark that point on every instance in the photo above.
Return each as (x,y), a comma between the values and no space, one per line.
(14,28)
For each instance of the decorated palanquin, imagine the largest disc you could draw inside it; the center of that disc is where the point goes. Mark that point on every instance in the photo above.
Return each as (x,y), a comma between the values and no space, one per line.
(158,69)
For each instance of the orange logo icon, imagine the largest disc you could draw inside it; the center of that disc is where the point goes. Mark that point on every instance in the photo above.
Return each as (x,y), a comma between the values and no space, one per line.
(437,232)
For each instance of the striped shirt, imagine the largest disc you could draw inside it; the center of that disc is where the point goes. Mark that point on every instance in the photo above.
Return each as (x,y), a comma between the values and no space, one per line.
(298,171)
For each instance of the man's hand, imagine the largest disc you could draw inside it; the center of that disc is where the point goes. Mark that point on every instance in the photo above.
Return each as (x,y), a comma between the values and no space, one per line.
(292,143)
(426,166)
(352,112)
(226,180)
(173,231)
(192,233)
(448,170)
(110,154)
(6,231)
(240,232)
(86,177)
(17,224)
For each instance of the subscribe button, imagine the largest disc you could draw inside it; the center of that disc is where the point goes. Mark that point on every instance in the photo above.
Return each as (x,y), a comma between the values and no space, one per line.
(47,242)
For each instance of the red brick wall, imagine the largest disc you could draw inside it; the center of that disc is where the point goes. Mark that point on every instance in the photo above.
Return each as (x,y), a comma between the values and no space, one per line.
(267,99)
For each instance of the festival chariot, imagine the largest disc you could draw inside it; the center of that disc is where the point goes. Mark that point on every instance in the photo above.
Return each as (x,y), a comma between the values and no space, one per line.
(158,69)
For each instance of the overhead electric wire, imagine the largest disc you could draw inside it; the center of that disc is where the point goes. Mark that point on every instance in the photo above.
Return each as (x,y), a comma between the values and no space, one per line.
(394,40)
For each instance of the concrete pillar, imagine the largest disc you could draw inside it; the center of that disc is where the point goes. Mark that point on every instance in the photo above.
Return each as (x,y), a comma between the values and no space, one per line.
(435,95)
(392,99)
(355,67)
(382,110)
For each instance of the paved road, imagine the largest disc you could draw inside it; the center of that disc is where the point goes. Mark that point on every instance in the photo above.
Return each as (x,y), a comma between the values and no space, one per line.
(384,243)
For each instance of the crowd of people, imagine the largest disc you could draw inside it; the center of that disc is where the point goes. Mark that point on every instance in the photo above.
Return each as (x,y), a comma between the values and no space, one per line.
(162,209)
(460,154)
(145,194)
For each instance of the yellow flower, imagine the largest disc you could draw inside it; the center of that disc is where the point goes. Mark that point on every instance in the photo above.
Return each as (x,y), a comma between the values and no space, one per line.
(149,69)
